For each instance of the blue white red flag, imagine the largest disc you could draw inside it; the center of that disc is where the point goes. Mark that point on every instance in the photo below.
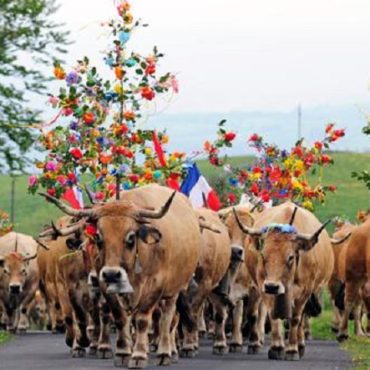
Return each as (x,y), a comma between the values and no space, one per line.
(74,197)
(196,187)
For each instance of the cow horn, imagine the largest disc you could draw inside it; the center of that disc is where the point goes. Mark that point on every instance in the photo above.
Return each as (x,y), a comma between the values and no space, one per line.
(246,230)
(41,244)
(16,243)
(293,216)
(259,203)
(89,195)
(335,241)
(144,213)
(315,236)
(26,259)
(204,225)
(67,209)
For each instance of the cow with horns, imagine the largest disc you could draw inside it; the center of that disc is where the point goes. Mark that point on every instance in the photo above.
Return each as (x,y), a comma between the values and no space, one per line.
(295,262)
(148,248)
(18,278)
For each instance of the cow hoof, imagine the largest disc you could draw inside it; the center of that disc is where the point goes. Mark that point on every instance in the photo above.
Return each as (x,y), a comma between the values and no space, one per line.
(104,353)
(211,335)
(334,329)
(187,353)
(202,334)
(276,353)
(83,342)
(291,356)
(235,348)
(253,349)
(175,357)
(153,348)
(69,341)
(342,337)
(121,360)
(93,351)
(22,331)
(163,360)
(219,350)
(59,329)
(301,350)
(308,336)
(49,327)
(137,363)
(78,352)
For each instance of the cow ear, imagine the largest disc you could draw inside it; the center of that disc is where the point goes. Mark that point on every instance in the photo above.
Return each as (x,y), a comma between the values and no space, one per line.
(149,234)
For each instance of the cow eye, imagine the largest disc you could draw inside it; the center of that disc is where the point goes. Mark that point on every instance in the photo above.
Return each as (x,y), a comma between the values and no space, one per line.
(290,260)
(24,271)
(6,271)
(130,240)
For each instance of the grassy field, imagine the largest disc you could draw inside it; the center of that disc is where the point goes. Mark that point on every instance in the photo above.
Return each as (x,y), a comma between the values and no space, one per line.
(4,337)
(32,212)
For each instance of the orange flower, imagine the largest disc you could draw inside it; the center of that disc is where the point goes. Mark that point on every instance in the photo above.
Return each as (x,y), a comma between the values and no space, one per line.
(59,73)
(129,115)
(105,158)
(119,72)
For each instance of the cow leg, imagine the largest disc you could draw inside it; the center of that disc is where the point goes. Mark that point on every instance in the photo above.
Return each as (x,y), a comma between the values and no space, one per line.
(95,326)
(307,327)
(351,299)
(357,313)
(236,343)
(302,335)
(173,332)
(219,344)
(139,358)
(292,353)
(104,345)
(336,319)
(252,316)
(202,328)
(277,348)
(164,352)
(11,318)
(261,322)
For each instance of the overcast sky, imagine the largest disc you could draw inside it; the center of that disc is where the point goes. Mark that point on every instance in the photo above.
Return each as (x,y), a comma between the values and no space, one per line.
(237,55)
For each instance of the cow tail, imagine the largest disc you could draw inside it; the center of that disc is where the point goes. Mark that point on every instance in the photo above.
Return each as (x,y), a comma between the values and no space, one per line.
(184,310)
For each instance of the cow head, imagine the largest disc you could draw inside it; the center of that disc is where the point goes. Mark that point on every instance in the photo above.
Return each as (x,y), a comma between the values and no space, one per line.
(280,245)
(14,269)
(123,240)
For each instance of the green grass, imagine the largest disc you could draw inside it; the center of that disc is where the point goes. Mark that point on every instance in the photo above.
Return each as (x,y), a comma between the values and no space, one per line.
(359,348)
(4,337)
(32,212)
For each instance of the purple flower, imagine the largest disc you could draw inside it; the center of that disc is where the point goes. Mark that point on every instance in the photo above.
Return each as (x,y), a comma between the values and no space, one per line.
(73,125)
(51,166)
(72,78)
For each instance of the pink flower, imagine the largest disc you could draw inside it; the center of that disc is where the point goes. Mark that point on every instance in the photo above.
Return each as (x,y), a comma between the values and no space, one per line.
(32,180)
(67,111)
(51,166)
(61,179)
(175,84)
(53,100)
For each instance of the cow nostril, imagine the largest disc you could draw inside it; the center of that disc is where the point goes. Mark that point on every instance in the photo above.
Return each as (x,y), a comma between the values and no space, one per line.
(271,288)
(118,275)
(15,289)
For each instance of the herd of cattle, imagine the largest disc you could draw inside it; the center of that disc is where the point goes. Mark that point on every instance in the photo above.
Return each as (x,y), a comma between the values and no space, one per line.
(160,273)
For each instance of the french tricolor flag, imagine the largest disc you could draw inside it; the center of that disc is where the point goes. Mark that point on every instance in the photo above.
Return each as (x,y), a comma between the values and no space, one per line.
(196,187)
(73,196)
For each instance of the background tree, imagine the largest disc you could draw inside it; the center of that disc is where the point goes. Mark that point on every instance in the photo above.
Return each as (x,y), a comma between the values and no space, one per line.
(364,175)
(29,38)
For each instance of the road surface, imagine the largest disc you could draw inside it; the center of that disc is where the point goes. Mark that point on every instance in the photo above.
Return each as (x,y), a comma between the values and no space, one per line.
(44,351)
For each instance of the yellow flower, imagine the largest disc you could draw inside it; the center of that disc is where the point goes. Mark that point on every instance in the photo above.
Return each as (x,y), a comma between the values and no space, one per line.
(255,176)
(288,163)
(308,205)
(297,185)
(148,151)
(118,89)
(299,165)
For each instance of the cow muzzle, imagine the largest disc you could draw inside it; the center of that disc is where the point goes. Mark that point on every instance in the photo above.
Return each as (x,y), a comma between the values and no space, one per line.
(116,279)
(15,289)
(237,253)
(273,288)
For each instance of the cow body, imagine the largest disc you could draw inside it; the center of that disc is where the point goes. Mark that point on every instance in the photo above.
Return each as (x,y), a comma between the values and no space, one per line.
(18,278)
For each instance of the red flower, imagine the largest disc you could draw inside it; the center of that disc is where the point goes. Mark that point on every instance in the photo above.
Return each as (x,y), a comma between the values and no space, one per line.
(52,192)
(150,69)
(134,178)
(329,127)
(229,136)
(99,195)
(318,145)
(254,189)
(332,188)
(265,196)
(325,159)
(257,170)
(214,161)
(147,93)
(91,230)
(72,177)
(89,118)
(254,137)
(298,151)
(76,153)
(232,198)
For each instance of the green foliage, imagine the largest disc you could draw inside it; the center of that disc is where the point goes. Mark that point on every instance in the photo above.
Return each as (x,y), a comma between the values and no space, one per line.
(359,349)
(28,37)
(4,337)
(363,175)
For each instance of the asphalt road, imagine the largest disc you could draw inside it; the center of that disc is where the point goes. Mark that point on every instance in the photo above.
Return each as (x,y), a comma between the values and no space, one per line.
(43,351)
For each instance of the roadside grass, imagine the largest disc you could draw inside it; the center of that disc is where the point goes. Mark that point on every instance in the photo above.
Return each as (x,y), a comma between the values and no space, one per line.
(359,349)
(4,337)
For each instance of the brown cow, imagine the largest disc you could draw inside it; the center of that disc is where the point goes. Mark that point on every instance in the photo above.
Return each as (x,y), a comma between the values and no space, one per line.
(356,272)
(214,260)
(18,278)
(294,265)
(149,248)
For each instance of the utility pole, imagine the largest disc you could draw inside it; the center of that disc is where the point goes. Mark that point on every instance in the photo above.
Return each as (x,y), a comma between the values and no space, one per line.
(12,201)
(299,122)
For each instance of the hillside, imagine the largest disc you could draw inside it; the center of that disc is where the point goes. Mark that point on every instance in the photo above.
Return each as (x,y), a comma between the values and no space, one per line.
(32,212)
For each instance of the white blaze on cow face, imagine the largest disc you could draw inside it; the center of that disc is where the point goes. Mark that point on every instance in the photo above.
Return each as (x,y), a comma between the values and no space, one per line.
(277,265)
(116,279)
